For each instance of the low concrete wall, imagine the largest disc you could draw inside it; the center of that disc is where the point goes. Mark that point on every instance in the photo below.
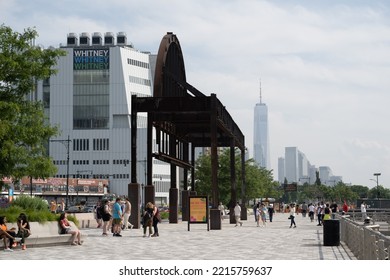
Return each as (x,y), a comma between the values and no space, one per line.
(46,234)
(86,220)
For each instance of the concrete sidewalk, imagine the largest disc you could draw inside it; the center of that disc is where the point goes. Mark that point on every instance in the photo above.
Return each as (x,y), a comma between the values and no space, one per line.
(276,241)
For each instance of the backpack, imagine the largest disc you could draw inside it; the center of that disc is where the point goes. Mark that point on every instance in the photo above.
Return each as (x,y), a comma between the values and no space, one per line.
(146,219)
(100,211)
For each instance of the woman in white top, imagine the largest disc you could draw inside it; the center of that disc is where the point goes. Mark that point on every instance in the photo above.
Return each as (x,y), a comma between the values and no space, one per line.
(258,216)
(363,209)
(311,212)
(292,215)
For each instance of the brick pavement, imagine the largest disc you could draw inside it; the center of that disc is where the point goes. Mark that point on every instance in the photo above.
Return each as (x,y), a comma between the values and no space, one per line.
(276,241)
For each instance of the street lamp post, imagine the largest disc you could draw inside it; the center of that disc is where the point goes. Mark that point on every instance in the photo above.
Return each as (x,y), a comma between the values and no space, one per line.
(66,142)
(377,184)
(377,175)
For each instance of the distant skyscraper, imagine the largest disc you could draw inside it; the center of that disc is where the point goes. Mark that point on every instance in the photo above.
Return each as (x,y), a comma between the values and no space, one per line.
(325,175)
(291,164)
(281,168)
(261,152)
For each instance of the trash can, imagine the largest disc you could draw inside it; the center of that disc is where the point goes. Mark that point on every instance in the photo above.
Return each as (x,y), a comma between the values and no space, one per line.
(331,232)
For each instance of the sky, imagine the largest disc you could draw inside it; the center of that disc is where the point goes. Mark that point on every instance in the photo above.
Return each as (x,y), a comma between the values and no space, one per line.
(323,65)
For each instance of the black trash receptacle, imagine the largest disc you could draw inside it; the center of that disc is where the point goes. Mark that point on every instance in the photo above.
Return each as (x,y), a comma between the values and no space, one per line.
(331,233)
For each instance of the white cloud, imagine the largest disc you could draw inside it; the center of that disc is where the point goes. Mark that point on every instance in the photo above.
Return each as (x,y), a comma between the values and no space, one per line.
(324,66)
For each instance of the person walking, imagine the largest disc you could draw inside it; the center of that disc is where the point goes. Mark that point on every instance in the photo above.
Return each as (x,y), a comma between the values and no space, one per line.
(53,207)
(327,212)
(319,214)
(271,212)
(292,215)
(345,207)
(98,214)
(237,214)
(126,215)
(117,216)
(311,212)
(363,209)
(62,206)
(147,219)
(257,215)
(334,208)
(156,219)
(263,214)
(256,211)
(221,209)
(106,216)
(304,209)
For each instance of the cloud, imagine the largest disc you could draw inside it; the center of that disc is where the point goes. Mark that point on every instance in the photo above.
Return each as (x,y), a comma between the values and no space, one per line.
(324,65)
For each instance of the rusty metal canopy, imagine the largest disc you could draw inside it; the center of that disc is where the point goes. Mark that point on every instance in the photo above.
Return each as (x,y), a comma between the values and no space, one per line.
(189,119)
(180,109)
(183,116)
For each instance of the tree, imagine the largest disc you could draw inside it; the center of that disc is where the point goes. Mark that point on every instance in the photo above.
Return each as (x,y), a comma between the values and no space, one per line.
(259,181)
(24,129)
(318,180)
(343,192)
(361,191)
(378,192)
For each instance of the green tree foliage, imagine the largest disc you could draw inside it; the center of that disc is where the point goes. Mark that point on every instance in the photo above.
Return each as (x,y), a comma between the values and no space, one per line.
(259,181)
(361,191)
(318,180)
(24,129)
(338,193)
(341,192)
(379,192)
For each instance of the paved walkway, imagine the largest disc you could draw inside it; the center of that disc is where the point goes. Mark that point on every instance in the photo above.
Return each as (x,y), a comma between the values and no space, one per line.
(276,241)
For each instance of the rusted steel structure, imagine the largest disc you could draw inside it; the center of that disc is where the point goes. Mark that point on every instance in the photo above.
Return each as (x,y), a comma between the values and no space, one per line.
(183,119)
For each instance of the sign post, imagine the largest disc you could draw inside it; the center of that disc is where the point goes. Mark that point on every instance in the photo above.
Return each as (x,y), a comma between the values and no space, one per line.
(198,211)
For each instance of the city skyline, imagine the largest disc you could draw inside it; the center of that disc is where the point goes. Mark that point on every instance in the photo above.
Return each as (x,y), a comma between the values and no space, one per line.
(323,65)
(295,167)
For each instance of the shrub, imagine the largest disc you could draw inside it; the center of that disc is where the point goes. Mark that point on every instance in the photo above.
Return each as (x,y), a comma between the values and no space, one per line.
(35,208)
(164,215)
(30,203)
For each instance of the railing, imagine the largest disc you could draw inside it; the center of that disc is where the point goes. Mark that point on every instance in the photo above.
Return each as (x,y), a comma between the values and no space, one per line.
(380,214)
(364,240)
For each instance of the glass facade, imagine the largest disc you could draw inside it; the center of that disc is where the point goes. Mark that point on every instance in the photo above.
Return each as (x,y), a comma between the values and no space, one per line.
(91,99)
